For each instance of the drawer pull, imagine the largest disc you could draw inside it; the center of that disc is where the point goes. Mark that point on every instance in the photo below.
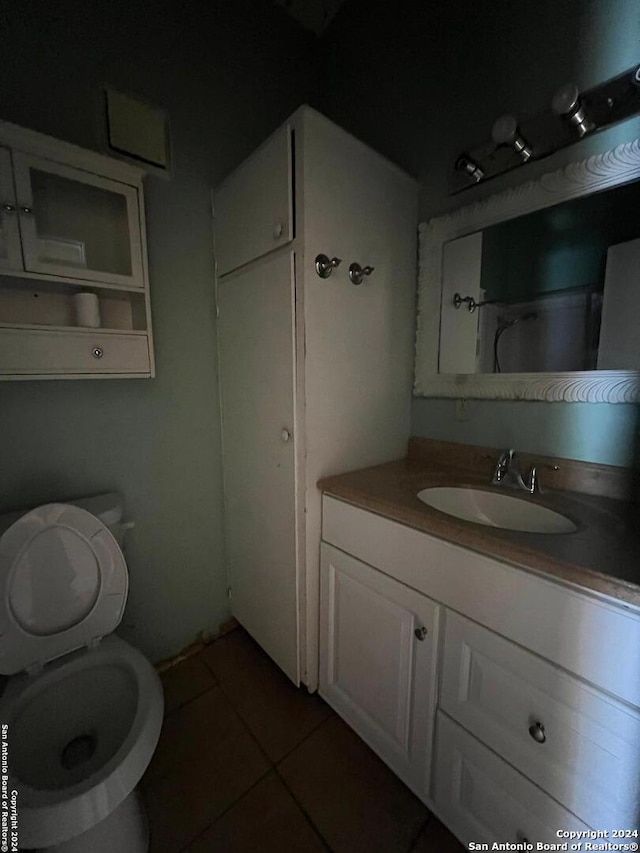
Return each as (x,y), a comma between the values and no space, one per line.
(97,352)
(420,633)
(537,732)
(8,207)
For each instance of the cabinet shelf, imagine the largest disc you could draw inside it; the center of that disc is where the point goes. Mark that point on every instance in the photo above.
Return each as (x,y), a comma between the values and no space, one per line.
(72,330)
(78,283)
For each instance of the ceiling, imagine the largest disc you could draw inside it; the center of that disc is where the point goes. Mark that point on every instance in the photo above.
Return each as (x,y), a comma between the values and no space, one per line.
(315,15)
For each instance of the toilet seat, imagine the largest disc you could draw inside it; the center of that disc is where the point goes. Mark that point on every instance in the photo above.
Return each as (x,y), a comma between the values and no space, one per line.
(63,585)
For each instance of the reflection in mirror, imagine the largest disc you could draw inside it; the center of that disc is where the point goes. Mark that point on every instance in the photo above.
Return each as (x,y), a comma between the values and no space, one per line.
(557,290)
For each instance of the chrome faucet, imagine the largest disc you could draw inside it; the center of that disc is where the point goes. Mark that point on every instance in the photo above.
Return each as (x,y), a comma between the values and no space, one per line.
(507,473)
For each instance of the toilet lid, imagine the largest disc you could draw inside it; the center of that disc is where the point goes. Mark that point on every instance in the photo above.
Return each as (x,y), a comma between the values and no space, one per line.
(63,585)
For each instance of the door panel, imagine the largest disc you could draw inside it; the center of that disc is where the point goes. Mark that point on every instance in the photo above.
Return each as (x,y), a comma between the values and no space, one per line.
(374,670)
(76,224)
(257,379)
(252,208)
(10,253)
(461,266)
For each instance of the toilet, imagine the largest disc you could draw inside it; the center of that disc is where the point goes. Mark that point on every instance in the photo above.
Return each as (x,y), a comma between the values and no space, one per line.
(83,708)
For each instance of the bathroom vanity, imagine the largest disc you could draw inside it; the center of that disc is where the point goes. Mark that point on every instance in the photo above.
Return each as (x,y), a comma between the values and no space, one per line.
(496,672)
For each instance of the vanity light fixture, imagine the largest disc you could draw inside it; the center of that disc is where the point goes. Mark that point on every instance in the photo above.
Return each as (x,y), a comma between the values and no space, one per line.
(505,132)
(464,163)
(568,105)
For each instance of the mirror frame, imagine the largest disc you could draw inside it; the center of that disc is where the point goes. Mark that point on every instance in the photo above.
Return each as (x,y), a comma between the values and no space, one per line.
(613,168)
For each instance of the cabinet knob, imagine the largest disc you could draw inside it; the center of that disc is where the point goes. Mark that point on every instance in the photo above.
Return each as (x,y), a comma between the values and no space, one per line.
(8,207)
(420,633)
(278,230)
(285,435)
(26,209)
(97,352)
(536,730)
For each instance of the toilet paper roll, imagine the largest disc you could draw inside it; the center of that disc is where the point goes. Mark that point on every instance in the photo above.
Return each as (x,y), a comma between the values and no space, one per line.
(87,310)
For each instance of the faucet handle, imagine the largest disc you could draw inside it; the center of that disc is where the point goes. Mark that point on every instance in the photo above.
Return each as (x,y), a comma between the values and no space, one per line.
(503,464)
(531,483)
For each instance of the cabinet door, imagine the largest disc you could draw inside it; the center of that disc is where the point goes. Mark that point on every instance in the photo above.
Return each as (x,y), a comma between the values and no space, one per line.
(10,254)
(461,265)
(76,224)
(482,799)
(378,645)
(253,207)
(257,380)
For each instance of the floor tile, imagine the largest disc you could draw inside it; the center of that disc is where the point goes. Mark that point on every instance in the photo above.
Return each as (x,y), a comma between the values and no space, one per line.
(231,654)
(351,797)
(205,761)
(278,714)
(266,820)
(436,838)
(185,681)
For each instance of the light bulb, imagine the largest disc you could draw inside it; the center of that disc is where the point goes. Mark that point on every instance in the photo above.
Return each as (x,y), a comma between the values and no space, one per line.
(567,104)
(505,132)
(464,163)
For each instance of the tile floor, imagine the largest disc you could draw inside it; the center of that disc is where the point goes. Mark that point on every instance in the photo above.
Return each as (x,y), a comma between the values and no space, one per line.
(247,762)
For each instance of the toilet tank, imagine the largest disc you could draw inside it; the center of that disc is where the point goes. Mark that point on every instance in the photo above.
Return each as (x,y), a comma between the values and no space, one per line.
(108,508)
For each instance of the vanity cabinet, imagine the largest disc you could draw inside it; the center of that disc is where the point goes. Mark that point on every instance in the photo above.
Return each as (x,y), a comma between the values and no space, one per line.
(71,221)
(379,643)
(536,717)
(315,372)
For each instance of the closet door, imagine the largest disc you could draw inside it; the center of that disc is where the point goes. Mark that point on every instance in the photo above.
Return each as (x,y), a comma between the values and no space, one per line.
(10,253)
(253,207)
(256,342)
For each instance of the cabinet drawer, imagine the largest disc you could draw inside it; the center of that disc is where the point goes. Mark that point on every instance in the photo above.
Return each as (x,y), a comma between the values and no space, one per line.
(483,799)
(29,351)
(578,744)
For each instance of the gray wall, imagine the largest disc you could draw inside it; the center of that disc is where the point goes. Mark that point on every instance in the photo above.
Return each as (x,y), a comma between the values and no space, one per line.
(426,81)
(228,73)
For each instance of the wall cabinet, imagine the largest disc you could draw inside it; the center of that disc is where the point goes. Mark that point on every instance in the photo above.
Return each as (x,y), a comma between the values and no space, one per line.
(315,373)
(529,730)
(70,221)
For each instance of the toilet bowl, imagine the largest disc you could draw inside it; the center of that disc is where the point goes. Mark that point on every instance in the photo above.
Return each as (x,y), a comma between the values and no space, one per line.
(83,709)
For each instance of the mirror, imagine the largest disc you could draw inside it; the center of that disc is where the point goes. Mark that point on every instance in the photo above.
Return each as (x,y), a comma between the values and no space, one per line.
(535,293)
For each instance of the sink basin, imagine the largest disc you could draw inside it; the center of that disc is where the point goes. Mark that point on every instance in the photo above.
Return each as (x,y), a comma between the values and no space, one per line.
(496,510)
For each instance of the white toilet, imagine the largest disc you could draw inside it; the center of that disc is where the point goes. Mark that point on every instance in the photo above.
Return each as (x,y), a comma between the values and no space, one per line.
(83,708)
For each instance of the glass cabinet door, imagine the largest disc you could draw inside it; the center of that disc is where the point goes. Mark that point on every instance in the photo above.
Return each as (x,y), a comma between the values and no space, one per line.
(76,224)
(10,253)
